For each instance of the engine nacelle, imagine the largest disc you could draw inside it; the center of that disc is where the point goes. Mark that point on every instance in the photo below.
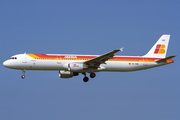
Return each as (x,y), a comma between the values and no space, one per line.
(75,67)
(67,74)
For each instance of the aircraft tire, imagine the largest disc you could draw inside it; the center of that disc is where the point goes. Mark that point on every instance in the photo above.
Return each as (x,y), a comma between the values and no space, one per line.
(92,75)
(23,76)
(85,79)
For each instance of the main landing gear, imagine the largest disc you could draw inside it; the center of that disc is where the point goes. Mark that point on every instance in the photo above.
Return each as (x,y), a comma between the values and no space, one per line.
(86,79)
(92,75)
(23,76)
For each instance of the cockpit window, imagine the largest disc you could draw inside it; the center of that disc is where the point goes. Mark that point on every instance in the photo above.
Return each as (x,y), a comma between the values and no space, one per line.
(13,58)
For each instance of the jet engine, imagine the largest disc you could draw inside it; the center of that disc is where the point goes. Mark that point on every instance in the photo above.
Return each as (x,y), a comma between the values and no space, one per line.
(67,74)
(75,67)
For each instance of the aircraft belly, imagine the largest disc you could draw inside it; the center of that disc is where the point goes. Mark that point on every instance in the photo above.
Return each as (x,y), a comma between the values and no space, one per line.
(35,64)
(123,66)
(42,65)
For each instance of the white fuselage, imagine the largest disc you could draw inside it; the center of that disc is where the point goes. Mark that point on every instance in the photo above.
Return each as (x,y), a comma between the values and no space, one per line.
(71,65)
(24,61)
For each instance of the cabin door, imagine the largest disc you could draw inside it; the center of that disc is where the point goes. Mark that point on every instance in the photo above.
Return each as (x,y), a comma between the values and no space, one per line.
(145,62)
(24,59)
(58,59)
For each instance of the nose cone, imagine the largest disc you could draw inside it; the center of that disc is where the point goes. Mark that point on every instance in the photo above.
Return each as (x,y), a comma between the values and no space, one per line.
(6,63)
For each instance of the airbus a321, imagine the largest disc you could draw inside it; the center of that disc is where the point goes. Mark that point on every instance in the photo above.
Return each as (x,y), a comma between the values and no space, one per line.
(71,65)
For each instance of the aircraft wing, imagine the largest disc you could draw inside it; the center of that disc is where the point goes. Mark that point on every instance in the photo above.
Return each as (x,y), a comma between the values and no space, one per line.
(95,62)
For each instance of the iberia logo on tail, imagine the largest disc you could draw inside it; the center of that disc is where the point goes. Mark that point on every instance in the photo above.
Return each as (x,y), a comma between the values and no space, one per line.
(160,49)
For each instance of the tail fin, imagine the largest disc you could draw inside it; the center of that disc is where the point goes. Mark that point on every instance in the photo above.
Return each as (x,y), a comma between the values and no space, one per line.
(159,50)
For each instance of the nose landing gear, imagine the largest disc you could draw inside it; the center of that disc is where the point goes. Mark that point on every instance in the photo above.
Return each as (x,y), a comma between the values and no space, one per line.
(23,76)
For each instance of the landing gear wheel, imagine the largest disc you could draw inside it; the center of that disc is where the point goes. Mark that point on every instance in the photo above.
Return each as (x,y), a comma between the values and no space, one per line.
(23,76)
(92,75)
(85,79)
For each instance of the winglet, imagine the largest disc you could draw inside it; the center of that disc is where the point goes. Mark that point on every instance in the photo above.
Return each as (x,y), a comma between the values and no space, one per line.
(121,49)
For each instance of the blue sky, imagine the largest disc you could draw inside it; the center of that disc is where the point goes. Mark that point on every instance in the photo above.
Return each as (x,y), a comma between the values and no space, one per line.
(89,27)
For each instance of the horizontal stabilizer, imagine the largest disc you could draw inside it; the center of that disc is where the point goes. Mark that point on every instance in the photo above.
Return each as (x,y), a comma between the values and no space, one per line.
(164,60)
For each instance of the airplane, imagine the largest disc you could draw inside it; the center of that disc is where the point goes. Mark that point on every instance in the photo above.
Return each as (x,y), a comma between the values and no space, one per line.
(70,65)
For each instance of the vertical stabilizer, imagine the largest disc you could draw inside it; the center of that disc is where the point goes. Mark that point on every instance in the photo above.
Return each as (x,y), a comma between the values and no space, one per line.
(159,50)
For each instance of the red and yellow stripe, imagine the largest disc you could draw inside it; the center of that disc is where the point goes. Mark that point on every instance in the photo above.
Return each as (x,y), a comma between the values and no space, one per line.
(81,57)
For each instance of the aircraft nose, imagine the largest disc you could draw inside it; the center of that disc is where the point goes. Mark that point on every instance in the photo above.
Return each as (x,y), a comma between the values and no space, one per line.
(6,63)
